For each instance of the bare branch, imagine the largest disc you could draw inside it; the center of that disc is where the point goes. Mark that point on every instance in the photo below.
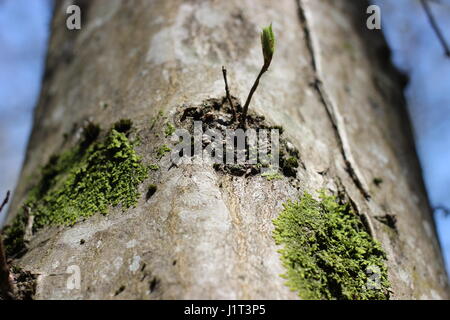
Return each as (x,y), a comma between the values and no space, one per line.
(441,208)
(435,27)
(227,90)
(8,193)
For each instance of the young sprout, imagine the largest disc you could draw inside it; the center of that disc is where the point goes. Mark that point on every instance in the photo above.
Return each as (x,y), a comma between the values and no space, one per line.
(268,48)
(227,91)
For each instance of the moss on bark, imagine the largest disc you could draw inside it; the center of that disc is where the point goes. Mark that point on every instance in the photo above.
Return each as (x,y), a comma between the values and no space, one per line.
(327,252)
(82,181)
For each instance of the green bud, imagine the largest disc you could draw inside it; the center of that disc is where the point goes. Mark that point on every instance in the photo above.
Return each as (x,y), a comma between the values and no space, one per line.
(268,45)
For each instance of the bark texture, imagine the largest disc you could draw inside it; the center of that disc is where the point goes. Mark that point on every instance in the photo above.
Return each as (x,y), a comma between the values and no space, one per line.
(204,234)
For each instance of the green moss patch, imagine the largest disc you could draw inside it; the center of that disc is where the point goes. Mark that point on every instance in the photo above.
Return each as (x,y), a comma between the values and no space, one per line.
(162,150)
(272,175)
(80,182)
(170,129)
(327,252)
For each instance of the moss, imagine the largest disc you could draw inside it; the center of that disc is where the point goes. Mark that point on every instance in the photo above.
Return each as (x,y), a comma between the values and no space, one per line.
(170,129)
(327,252)
(156,118)
(80,182)
(14,235)
(153,122)
(162,150)
(153,167)
(272,175)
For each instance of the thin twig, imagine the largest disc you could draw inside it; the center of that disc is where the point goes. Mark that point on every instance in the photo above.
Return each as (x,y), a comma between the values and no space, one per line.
(8,193)
(443,209)
(227,90)
(435,27)
(249,98)
(7,288)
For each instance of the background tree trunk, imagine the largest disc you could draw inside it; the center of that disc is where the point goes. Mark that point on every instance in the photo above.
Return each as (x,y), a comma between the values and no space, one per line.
(204,234)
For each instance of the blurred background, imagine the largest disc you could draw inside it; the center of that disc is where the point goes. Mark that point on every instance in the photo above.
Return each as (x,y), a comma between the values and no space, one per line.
(24,32)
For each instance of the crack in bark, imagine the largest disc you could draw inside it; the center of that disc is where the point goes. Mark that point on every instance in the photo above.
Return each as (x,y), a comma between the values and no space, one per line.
(329,107)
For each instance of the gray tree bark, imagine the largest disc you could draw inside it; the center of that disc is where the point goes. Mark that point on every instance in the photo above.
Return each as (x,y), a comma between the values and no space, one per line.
(204,234)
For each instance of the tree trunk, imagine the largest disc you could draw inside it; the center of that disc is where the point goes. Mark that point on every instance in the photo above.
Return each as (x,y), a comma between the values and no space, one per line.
(205,233)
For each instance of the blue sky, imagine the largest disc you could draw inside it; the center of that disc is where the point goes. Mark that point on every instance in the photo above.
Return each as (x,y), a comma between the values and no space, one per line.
(23,41)
(417,51)
(24,26)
